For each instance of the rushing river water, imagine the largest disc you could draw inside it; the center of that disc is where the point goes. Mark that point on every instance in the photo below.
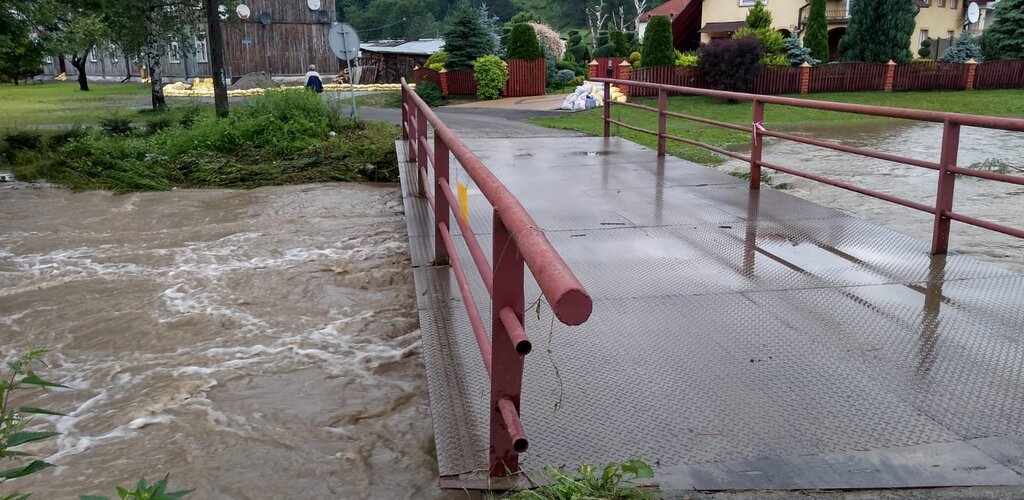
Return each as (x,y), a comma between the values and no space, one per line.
(253,344)
(989,200)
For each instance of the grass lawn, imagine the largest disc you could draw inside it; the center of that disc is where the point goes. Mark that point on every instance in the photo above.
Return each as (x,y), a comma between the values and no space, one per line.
(1004,102)
(62,103)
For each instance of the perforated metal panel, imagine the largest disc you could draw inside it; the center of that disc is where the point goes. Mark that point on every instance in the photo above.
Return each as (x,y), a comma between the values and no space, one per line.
(738,339)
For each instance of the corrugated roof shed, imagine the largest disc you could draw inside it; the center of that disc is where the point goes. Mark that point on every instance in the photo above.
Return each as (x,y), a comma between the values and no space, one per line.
(425,47)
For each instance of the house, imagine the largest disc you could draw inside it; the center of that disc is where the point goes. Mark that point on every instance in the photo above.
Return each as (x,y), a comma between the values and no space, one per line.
(279,37)
(389,60)
(943,19)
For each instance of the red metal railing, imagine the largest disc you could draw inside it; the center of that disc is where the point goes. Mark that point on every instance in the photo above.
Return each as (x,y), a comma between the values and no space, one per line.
(517,240)
(946,166)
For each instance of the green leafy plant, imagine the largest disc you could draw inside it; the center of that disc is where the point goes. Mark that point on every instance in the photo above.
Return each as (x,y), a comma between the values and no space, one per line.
(879,30)
(1004,39)
(23,140)
(15,422)
(430,93)
(606,50)
(491,73)
(144,491)
(816,35)
(436,60)
(926,48)
(771,40)
(759,17)
(797,53)
(522,43)
(687,59)
(657,48)
(116,125)
(731,63)
(611,482)
(775,60)
(67,135)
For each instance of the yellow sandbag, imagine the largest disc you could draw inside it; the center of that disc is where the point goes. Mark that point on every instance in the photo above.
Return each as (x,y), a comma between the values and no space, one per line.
(463,195)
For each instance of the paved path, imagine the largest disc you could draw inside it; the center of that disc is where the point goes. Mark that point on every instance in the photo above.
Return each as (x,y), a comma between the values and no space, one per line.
(740,339)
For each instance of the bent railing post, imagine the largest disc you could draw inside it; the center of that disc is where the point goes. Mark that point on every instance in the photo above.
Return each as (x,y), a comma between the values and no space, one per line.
(947,181)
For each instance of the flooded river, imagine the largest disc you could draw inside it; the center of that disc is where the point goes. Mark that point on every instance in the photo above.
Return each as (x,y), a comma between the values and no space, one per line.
(988,200)
(253,344)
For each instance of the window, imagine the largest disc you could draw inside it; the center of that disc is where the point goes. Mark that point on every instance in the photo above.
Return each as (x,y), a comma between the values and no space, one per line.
(92,55)
(48,60)
(924,35)
(940,3)
(175,54)
(952,4)
(949,34)
(114,59)
(201,55)
(749,3)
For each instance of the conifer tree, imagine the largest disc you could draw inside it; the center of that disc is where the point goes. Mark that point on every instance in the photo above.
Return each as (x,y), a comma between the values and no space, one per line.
(522,43)
(466,40)
(879,30)
(816,36)
(658,49)
(759,17)
(1005,38)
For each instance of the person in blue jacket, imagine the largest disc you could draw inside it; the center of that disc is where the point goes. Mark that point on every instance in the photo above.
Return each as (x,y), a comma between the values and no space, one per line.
(313,81)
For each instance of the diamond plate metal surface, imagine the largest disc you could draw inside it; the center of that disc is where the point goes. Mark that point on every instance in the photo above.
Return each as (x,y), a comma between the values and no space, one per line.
(732,333)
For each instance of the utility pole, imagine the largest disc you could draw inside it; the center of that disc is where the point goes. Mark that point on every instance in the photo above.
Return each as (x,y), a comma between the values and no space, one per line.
(215,42)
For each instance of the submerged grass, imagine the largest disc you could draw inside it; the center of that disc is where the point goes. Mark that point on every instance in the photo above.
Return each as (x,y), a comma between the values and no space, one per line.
(282,137)
(1004,102)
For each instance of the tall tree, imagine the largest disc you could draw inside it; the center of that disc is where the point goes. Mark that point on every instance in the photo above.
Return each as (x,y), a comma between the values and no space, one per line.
(1005,38)
(879,30)
(816,36)
(759,17)
(465,40)
(215,36)
(596,17)
(658,49)
(21,50)
(81,31)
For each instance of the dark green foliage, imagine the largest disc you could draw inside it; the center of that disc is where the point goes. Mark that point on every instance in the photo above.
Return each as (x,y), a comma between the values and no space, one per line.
(436,60)
(526,16)
(430,93)
(21,55)
(879,31)
(964,48)
(574,40)
(797,53)
(611,481)
(67,135)
(145,491)
(816,34)
(465,40)
(491,74)
(586,55)
(1004,39)
(281,137)
(565,76)
(550,66)
(926,48)
(522,43)
(23,140)
(621,42)
(165,120)
(577,69)
(116,125)
(731,64)
(759,17)
(607,50)
(395,18)
(657,48)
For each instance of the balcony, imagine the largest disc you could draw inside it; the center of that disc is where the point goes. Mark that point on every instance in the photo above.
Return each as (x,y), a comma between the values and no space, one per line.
(834,14)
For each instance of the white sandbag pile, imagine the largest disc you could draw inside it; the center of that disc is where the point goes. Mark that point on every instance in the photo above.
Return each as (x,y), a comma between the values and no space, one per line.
(590,95)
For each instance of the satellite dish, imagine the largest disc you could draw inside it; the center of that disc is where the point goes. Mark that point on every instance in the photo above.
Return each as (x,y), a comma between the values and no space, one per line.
(265,18)
(973,13)
(344,41)
(322,16)
(243,11)
(313,4)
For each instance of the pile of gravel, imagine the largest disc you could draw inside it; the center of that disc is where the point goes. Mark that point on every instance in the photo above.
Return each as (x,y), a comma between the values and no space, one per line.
(251,81)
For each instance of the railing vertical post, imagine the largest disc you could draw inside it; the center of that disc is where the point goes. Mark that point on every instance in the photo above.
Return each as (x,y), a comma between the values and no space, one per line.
(405,113)
(662,120)
(441,210)
(506,362)
(421,136)
(607,109)
(755,145)
(947,181)
(411,142)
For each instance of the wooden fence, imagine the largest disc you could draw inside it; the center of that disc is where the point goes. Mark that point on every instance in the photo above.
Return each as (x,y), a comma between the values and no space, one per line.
(846,77)
(420,75)
(458,82)
(526,78)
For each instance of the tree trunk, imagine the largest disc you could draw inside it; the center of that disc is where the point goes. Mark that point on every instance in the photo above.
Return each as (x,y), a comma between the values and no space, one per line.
(79,64)
(127,69)
(153,57)
(215,41)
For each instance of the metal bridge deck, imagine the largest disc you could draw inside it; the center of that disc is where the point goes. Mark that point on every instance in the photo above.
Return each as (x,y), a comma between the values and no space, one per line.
(739,339)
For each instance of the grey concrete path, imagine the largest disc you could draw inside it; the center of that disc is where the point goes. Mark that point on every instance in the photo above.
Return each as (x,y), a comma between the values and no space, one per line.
(479,123)
(740,339)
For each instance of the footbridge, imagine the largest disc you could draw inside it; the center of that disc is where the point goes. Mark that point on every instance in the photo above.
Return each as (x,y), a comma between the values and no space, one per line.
(589,299)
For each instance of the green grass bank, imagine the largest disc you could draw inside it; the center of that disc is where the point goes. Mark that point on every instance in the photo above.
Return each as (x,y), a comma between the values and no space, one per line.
(1004,102)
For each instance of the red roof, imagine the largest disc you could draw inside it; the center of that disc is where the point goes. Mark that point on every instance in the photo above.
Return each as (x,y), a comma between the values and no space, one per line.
(670,8)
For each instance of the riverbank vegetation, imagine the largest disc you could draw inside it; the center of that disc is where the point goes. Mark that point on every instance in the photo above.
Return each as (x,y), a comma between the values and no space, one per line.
(284,137)
(1008,102)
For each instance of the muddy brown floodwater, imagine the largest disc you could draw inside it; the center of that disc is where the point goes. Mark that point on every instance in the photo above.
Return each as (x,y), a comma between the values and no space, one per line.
(253,344)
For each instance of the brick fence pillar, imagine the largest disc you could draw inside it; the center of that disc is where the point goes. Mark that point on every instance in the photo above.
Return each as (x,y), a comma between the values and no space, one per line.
(805,78)
(623,73)
(593,69)
(890,75)
(444,82)
(972,70)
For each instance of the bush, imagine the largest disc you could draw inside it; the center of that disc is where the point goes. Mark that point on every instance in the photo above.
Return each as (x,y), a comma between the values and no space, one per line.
(606,50)
(926,48)
(65,136)
(522,43)
(797,53)
(621,42)
(491,73)
(576,82)
(436,60)
(775,60)
(116,125)
(731,64)
(771,40)
(564,76)
(570,66)
(658,49)
(165,120)
(963,49)
(430,93)
(687,60)
(23,141)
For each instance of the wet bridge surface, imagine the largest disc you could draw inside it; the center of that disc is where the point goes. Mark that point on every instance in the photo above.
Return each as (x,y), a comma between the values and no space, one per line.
(739,339)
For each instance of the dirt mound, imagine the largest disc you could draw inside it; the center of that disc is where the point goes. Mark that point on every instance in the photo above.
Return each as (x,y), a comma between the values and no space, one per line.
(258,80)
